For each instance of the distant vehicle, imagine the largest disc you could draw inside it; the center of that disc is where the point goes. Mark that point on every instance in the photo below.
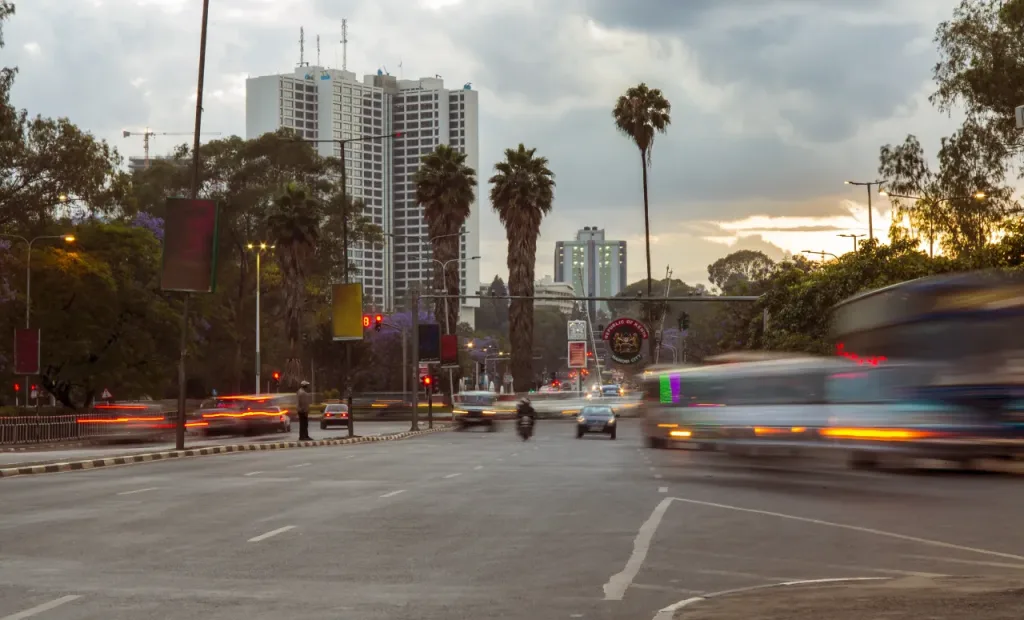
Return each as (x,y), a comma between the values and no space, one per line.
(596,419)
(128,421)
(247,414)
(476,409)
(612,390)
(335,414)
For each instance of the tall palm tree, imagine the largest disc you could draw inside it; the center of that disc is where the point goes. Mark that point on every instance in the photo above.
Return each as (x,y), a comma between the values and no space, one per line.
(446,189)
(522,192)
(640,114)
(293,224)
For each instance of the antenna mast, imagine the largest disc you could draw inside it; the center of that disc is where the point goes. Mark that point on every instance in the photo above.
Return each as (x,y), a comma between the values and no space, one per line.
(302,47)
(318,50)
(344,45)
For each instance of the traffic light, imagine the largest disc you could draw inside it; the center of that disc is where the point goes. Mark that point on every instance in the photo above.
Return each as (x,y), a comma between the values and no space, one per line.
(17,388)
(276,376)
(366,321)
(378,322)
(427,381)
(684,321)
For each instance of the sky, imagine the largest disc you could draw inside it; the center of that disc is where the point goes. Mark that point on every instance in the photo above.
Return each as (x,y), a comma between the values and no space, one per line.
(774,102)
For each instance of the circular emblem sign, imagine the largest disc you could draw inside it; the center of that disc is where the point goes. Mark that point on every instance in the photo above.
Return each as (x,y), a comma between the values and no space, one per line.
(625,338)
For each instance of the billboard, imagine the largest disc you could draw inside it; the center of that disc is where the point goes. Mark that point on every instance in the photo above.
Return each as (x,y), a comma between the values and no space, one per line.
(347,311)
(190,246)
(430,342)
(577,354)
(26,351)
(450,350)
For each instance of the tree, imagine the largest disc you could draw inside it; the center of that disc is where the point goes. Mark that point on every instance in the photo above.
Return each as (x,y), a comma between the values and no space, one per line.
(522,192)
(740,272)
(294,225)
(446,189)
(640,114)
(492,316)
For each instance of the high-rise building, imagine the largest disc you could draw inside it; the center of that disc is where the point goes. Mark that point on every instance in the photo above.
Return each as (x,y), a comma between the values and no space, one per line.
(331,104)
(595,267)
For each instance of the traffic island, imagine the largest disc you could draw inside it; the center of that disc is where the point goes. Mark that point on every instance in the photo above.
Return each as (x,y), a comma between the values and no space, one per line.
(905,598)
(52,468)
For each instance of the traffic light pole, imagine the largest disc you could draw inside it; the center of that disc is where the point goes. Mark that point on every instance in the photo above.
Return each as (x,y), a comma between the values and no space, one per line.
(415,303)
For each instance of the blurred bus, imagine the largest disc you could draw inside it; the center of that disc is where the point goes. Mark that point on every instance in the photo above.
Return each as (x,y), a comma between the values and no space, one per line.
(130,421)
(941,368)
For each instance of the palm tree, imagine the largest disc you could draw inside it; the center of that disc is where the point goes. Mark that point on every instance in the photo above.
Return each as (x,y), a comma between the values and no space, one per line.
(446,189)
(293,224)
(640,114)
(522,192)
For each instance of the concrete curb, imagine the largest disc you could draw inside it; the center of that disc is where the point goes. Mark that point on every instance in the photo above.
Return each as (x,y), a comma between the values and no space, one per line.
(53,468)
(668,613)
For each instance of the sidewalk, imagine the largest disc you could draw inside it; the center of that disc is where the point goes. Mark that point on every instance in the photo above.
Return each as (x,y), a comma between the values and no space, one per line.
(910,598)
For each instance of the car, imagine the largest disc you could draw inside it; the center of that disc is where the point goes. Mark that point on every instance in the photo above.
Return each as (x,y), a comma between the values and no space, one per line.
(596,419)
(335,414)
(476,408)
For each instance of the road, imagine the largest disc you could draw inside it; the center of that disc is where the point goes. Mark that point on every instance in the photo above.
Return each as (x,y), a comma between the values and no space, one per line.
(35,456)
(475,525)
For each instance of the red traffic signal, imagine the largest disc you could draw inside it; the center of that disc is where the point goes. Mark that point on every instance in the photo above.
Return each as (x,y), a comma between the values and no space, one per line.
(366,321)
(17,387)
(276,376)
(427,380)
(378,322)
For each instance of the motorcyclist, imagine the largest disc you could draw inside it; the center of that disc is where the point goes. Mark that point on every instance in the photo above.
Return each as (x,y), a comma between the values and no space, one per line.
(526,410)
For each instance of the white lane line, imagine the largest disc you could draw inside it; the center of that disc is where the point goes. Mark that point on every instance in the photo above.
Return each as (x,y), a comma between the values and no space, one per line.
(658,476)
(452,475)
(351,456)
(253,473)
(662,489)
(959,561)
(515,454)
(616,587)
(138,491)
(299,465)
(393,493)
(855,528)
(38,609)
(478,467)
(280,530)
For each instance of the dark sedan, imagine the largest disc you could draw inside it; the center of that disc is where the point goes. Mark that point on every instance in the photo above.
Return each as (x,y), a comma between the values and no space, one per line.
(596,419)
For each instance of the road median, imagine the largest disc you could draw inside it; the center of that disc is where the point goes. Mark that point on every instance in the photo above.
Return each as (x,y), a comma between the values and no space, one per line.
(147,457)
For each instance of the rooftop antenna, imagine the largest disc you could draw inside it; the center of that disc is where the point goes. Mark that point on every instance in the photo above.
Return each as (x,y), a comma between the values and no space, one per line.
(302,47)
(399,68)
(344,45)
(318,50)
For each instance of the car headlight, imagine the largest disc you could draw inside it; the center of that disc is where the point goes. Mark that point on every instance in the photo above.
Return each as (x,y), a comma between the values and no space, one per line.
(612,421)
(589,396)
(459,411)
(581,419)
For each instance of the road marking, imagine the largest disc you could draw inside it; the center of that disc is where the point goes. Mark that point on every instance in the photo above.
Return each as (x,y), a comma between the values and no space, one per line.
(959,561)
(658,476)
(855,528)
(662,489)
(452,475)
(616,587)
(253,473)
(393,493)
(138,491)
(651,468)
(515,454)
(38,609)
(478,467)
(351,456)
(299,465)
(280,530)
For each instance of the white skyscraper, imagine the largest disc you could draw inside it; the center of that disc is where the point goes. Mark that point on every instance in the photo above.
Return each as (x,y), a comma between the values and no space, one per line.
(330,104)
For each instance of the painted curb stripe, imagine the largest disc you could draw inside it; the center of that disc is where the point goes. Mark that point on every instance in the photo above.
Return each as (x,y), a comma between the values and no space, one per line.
(173,454)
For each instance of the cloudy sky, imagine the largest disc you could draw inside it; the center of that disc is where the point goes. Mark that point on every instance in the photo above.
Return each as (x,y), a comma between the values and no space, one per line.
(774,102)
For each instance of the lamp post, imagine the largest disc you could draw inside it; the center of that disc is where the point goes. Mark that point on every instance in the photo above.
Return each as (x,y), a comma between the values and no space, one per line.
(28,280)
(868,184)
(851,236)
(344,242)
(932,202)
(822,254)
(259,249)
(447,327)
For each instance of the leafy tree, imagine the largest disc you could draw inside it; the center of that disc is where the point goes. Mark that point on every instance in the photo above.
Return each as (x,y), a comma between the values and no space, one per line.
(522,192)
(492,316)
(740,272)
(550,340)
(640,114)
(294,226)
(446,189)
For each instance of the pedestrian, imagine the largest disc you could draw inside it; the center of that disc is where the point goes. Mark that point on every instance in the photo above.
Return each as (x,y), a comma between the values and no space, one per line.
(305,399)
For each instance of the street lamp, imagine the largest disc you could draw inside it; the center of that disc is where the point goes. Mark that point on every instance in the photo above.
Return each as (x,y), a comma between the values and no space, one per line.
(868,184)
(444,282)
(28,278)
(822,254)
(259,249)
(979,195)
(851,236)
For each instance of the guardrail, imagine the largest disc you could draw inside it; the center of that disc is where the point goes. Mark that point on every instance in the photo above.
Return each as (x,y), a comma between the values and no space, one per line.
(30,429)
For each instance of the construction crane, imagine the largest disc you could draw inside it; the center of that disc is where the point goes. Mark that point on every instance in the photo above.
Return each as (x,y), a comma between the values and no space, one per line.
(147,134)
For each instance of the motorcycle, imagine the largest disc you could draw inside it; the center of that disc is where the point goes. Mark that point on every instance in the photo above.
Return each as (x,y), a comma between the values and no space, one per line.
(525,427)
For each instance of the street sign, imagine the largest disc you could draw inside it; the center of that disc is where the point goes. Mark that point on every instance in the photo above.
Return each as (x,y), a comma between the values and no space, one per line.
(577,330)
(578,354)
(26,351)
(625,338)
(106,394)
(424,369)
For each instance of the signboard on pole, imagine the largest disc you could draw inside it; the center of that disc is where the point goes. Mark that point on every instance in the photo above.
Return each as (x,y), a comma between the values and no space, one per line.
(450,350)
(347,311)
(190,246)
(625,338)
(577,330)
(578,354)
(424,369)
(430,342)
(26,351)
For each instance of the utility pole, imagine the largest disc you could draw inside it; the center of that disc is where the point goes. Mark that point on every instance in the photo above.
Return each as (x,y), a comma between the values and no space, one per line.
(415,303)
(869,185)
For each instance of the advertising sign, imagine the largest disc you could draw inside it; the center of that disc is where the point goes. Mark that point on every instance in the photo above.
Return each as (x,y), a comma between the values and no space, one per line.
(347,311)
(625,338)
(190,246)
(26,351)
(430,342)
(578,354)
(449,350)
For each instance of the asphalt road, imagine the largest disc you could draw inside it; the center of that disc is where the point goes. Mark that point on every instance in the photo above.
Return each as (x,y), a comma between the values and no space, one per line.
(475,525)
(35,456)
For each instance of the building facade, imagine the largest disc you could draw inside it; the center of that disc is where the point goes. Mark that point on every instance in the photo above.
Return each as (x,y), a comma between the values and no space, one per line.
(331,105)
(546,286)
(593,265)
